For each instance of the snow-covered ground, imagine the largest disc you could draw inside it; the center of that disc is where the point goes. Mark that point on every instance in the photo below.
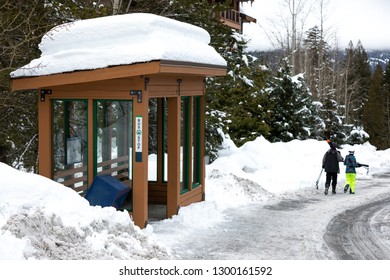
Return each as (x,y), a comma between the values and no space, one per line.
(42,219)
(245,183)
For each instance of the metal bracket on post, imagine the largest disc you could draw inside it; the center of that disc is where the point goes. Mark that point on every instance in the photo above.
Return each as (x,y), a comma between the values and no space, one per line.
(43,94)
(138,93)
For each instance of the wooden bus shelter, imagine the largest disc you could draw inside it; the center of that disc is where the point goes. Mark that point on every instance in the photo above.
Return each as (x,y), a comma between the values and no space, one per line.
(141,123)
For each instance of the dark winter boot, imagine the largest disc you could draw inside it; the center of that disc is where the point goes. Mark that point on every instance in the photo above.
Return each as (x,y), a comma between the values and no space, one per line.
(346,188)
(326,188)
(333,190)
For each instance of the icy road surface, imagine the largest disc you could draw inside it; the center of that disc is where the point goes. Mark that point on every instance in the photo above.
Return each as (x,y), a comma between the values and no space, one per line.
(307,225)
(362,233)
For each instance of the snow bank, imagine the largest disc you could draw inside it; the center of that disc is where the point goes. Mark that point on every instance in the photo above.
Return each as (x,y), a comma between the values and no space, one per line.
(119,40)
(260,170)
(42,219)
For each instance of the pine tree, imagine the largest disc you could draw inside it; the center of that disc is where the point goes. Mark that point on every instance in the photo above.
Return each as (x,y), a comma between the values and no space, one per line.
(333,127)
(318,64)
(321,75)
(347,85)
(22,24)
(386,95)
(363,80)
(294,115)
(356,81)
(312,58)
(237,101)
(374,111)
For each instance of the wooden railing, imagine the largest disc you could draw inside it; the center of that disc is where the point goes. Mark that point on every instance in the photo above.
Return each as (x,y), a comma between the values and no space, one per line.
(232,16)
(76,178)
(118,168)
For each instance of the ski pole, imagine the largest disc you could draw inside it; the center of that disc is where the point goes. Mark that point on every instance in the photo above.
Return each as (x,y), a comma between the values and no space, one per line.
(319,178)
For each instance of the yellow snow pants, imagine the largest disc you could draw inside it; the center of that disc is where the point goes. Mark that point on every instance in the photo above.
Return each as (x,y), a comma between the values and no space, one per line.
(350,179)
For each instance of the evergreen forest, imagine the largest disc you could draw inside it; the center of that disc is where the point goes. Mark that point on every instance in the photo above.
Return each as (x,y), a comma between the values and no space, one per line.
(311,91)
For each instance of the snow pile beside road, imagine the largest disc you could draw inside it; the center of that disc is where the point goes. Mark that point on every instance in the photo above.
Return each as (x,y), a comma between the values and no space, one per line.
(41,219)
(260,170)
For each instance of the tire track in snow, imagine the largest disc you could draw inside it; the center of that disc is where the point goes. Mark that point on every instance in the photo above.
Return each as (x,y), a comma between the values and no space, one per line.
(361,233)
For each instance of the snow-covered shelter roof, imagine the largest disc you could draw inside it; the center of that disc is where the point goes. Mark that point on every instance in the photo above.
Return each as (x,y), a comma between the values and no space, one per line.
(120,40)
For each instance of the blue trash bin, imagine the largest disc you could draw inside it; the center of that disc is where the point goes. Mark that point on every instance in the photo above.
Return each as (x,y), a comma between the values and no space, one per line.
(106,190)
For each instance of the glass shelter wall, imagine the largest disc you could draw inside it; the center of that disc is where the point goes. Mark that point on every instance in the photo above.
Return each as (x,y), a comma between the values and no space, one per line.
(113,136)
(112,143)
(110,149)
(190,146)
(157,140)
(153,140)
(70,143)
(196,144)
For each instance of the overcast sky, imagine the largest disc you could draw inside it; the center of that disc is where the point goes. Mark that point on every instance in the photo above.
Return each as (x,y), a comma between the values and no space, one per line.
(347,20)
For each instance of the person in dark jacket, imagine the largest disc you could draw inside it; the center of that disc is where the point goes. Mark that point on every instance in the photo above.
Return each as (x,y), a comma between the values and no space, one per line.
(350,172)
(330,163)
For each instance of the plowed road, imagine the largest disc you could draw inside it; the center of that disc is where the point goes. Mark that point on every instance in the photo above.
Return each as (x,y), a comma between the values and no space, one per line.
(306,225)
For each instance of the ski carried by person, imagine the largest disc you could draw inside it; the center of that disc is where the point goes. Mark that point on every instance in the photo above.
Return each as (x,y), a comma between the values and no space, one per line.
(319,176)
(364,165)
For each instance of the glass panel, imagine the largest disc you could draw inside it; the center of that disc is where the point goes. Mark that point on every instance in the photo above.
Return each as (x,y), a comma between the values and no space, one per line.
(165,137)
(70,150)
(184,143)
(157,136)
(153,139)
(114,126)
(196,160)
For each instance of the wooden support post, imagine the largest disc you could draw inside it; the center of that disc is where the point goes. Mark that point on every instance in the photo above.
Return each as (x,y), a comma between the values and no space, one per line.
(45,138)
(173,185)
(140,167)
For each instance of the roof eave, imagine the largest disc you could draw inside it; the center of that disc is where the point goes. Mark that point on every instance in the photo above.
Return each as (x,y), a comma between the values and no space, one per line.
(116,72)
